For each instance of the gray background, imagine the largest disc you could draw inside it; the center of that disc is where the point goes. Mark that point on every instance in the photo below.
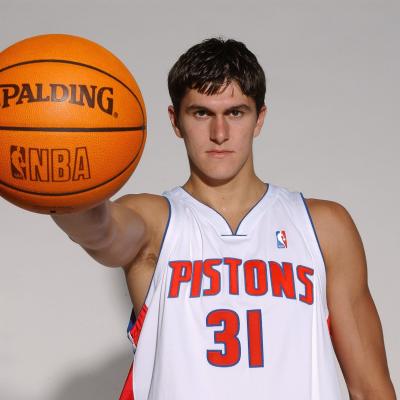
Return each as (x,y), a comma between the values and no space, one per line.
(331,132)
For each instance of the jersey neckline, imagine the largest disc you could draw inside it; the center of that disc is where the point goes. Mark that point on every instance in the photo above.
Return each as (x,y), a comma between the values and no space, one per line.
(265,198)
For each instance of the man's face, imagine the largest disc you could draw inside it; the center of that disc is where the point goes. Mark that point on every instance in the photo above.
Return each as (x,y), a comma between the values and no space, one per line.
(218,131)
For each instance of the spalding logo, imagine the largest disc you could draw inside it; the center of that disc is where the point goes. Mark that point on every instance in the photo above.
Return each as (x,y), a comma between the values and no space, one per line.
(49,165)
(82,95)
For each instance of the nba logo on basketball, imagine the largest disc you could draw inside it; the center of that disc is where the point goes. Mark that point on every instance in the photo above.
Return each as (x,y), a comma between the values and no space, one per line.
(18,165)
(281,240)
(49,165)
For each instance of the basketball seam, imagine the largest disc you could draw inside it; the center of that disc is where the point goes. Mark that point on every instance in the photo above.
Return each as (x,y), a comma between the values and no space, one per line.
(80,129)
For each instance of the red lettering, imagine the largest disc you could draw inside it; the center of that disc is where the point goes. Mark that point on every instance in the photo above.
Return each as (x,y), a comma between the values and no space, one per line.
(258,267)
(214,275)
(181,272)
(233,264)
(302,272)
(196,280)
(282,279)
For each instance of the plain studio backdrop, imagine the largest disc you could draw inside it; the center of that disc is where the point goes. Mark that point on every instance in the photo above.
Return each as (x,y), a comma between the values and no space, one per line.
(331,132)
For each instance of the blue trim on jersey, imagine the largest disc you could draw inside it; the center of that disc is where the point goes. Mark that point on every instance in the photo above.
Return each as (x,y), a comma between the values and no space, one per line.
(227,223)
(315,232)
(132,319)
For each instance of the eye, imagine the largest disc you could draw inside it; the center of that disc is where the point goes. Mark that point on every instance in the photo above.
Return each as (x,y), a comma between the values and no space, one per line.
(236,113)
(201,113)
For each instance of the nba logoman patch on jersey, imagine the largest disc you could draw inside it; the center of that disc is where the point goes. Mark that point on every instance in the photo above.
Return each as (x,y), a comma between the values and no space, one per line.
(281,240)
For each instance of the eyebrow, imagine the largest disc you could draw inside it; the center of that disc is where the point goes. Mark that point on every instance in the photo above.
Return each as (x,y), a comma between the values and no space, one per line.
(243,107)
(195,107)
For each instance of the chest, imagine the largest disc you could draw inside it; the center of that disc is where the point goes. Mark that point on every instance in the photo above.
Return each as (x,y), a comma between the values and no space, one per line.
(269,258)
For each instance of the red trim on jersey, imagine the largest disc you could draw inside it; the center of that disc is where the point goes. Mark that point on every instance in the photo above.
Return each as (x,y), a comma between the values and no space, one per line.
(137,328)
(328,321)
(127,391)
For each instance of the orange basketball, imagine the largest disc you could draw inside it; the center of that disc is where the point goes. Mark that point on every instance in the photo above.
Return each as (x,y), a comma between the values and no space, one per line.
(72,124)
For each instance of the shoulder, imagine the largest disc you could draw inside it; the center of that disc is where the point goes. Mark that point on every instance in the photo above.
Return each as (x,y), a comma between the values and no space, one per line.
(144,202)
(154,209)
(335,228)
(327,212)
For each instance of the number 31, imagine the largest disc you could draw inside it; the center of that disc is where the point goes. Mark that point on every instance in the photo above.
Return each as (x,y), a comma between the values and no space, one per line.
(228,337)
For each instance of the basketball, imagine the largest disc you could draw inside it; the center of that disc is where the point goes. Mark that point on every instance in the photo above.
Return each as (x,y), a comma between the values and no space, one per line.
(72,124)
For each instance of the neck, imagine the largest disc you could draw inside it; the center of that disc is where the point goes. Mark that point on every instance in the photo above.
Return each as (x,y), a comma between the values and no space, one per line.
(230,196)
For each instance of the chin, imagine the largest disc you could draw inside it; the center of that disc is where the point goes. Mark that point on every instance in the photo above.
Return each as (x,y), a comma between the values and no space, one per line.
(214,177)
(216,173)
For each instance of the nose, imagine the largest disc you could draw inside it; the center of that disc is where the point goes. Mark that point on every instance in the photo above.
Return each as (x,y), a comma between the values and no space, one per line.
(219,130)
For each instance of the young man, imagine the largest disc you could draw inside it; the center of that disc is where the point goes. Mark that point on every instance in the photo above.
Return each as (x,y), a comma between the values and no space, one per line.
(240,289)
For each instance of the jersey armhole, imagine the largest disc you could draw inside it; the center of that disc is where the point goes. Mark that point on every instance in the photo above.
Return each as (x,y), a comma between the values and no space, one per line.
(133,318)
(327,316)
(313,228)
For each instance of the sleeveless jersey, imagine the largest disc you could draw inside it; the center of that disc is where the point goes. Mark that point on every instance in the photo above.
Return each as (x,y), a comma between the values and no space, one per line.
(235,315)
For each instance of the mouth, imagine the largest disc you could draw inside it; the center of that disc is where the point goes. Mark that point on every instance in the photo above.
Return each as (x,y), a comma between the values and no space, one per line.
(219,153)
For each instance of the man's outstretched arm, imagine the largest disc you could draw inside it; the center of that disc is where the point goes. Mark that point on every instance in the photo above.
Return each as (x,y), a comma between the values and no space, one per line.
(112,233)
(355,326)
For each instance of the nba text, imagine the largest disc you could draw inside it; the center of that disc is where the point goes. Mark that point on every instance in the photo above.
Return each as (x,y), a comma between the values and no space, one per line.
(49,165)
(259,278)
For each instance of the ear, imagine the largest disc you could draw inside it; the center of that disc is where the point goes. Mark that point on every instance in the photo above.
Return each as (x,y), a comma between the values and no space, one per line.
(260,120)
(174,121)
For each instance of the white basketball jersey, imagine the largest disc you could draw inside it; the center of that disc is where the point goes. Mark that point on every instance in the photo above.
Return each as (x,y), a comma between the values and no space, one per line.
(235,315)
